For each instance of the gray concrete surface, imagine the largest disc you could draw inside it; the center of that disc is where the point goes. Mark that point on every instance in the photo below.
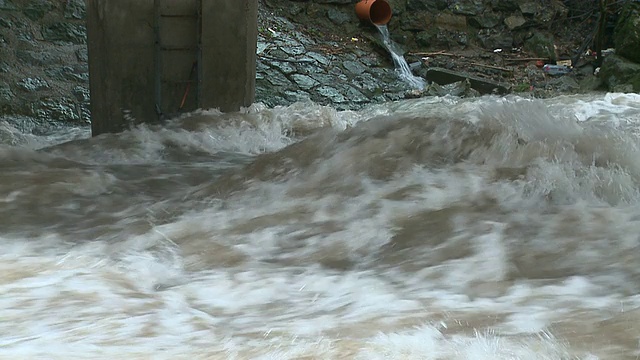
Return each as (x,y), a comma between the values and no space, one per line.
(229,37)
(120,47)
(123,68)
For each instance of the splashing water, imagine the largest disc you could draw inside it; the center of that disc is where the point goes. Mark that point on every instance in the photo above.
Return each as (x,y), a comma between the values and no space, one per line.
(432,229)
(403,69)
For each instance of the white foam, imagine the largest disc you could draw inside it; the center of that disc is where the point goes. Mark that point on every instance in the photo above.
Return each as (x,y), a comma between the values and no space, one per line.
(293,268)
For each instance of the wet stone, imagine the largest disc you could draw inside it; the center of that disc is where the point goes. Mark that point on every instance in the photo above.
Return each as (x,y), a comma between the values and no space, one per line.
(37,58)
(261,47)
(541,45)
(5,23)
(319,58)
(354,67)
(467,7)
(307,61)
(294,50)
(82,55)
(332,94)
(272,101)
(37,9)
(336,72)
(6,97)
(378,73)
(379,98)
(303,81)
(82,94)
(283,40)
(515,21)
(31,125)
(504,5)
(340,2)
(618,72)
(295,9)
(492,40)
(355,95)
(7,5)
(296,96)
(529,8)
(427,4)
(277,79)
(415,21)
(284,66)
(63,110)
(349,57)
(486,20)
(24,36)
(337,17)
(360,53)
(75,9)
(284,23)
(370,61)
(303,39)
(394,96)
(309,68)
(367,84)
(74,33)
(261,65)
(275,53)
(33,84)
(324,78)
(565,84)
(85,114)
(67,73)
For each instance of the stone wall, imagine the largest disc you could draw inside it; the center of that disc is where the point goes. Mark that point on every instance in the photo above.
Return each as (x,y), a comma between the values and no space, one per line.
(422,25)
(43,54)
(43,61)
(489,24)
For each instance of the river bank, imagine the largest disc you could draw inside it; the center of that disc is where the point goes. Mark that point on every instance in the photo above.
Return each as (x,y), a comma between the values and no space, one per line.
(319,51)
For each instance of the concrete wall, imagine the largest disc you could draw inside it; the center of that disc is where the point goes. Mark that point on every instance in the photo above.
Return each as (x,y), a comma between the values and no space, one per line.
(121,44)
(176,65)
(230,53)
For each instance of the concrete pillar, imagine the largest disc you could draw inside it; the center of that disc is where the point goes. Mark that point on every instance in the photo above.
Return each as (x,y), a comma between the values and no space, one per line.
(229,38)
(120,47)
(124,62)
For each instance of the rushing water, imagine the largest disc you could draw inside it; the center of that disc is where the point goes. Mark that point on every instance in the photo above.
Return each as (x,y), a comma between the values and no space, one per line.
(402,68)
(436,228)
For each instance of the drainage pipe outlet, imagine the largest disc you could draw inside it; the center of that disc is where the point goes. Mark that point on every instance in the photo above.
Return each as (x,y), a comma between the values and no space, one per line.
(378,12)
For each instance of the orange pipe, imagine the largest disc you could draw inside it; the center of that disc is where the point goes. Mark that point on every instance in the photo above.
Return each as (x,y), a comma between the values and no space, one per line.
(378,12)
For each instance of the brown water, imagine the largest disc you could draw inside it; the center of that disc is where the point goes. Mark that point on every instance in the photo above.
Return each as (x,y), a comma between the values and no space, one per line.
(436,228)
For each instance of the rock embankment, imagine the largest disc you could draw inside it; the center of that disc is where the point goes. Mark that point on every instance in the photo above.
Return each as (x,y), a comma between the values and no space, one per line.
(318,50)
(43,63)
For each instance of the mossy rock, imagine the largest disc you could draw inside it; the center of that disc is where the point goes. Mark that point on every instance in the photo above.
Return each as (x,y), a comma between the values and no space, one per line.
(618,72)
(541,45)
(627,32)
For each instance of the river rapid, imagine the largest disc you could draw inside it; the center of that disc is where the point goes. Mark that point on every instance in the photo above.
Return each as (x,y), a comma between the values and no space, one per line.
(437,228)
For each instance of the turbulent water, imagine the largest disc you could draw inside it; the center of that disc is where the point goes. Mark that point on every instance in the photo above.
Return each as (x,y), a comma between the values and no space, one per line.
(402,68)
(436,228)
